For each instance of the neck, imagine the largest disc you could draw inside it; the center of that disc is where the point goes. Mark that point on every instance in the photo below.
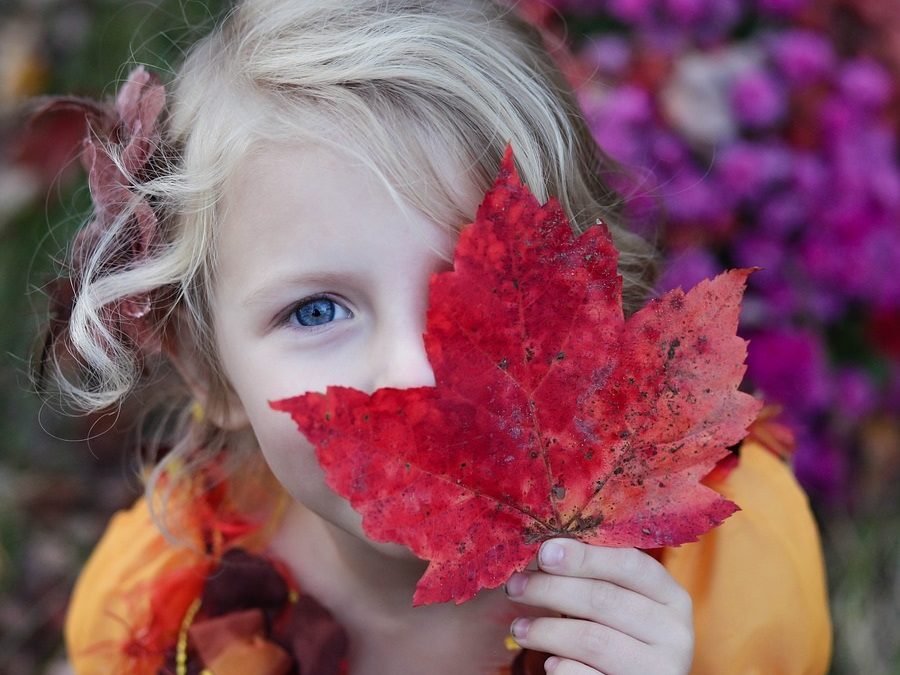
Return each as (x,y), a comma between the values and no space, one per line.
(369,590)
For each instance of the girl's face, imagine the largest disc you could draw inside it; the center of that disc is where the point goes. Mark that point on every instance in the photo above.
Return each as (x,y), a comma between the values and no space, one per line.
(322,279)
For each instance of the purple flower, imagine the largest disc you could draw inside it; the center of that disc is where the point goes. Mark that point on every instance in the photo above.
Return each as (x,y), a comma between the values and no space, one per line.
(789,366)
(687,268)
(631,11)
(669,150)
(802,57)
(866,83)
(620,124)
(779,298)
(892,390)
(611,54)
(786,8)
(809,177)
(824,303)
(782,214)
(758,100)
(718,20)
(685,12)
(855,394)
(695,199)
(751,170)
(752,250)
(821,467)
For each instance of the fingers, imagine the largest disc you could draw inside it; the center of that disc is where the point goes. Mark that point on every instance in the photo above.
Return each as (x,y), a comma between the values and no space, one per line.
(600,601)
(624,614)
(588,646)
(558,666)
(626,567)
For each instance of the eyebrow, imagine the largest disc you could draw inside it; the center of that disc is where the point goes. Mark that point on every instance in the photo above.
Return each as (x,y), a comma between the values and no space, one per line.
(279,285)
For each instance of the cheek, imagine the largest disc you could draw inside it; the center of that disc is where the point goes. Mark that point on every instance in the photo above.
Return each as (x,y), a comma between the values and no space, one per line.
(290,456)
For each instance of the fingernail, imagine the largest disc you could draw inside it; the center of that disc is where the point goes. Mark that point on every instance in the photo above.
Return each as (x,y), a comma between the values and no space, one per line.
(551,553)
(516,584)
(519,628)
(550,664)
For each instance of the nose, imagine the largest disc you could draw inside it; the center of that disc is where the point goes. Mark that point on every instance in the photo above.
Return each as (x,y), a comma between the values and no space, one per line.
(399,359)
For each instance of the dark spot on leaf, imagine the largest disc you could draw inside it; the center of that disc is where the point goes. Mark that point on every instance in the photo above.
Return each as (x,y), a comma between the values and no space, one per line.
(676,302)
(618,471)
(646,531)
(366,417)
(589,455)
(327,417)
(560,356)
(534,454)
(503,364)
(624,434)
(407,466)
(559,492)
(515,283)
(673,346)
(462,465)
(529,353)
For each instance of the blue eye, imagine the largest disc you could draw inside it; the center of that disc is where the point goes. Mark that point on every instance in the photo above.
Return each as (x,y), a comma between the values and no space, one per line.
(319,311)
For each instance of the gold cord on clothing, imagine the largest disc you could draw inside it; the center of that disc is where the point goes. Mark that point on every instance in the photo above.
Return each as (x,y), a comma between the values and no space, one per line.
(181,645)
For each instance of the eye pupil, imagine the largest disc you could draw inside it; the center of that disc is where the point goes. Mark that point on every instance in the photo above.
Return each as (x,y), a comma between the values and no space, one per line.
(315,312)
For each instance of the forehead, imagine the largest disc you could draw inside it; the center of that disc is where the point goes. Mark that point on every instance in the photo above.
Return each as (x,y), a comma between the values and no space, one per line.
(302,205)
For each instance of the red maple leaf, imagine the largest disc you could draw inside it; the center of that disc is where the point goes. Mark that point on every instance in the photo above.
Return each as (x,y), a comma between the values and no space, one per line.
(551,416)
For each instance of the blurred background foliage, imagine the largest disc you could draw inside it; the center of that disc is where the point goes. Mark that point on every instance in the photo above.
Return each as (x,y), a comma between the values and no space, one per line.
(755,133)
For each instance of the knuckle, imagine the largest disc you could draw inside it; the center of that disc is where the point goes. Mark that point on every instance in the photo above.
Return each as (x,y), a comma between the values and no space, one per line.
(636,563)
(577,555)
(683,601)
(599,596)
(594,640)
(680,642)
(546,586)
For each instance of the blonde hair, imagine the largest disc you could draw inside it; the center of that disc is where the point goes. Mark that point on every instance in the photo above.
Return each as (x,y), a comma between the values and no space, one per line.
(414,83)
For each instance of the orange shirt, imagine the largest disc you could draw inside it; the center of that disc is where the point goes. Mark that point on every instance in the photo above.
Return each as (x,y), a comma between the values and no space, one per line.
(757,581)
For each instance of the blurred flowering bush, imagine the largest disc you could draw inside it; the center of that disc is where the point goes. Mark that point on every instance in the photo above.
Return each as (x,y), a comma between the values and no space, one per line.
(765,133)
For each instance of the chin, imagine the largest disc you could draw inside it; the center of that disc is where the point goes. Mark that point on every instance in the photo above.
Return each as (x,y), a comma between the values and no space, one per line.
(395,551)
(353,525)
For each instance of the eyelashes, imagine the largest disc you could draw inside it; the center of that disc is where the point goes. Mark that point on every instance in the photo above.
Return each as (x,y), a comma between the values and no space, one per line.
(315,312)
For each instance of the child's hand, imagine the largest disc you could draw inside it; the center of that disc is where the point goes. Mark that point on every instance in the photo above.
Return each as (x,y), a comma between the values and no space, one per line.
(624,613)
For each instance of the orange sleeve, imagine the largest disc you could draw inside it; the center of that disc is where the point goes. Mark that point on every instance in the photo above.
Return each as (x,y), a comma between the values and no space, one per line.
(758,580)
(108,604)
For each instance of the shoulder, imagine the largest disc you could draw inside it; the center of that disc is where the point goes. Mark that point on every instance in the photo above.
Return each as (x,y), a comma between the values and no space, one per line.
(758,580)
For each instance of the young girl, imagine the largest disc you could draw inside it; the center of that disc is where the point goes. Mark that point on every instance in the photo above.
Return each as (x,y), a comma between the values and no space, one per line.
(269,227)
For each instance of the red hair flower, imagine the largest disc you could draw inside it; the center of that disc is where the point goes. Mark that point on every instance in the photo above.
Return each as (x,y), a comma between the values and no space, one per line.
(120,142)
